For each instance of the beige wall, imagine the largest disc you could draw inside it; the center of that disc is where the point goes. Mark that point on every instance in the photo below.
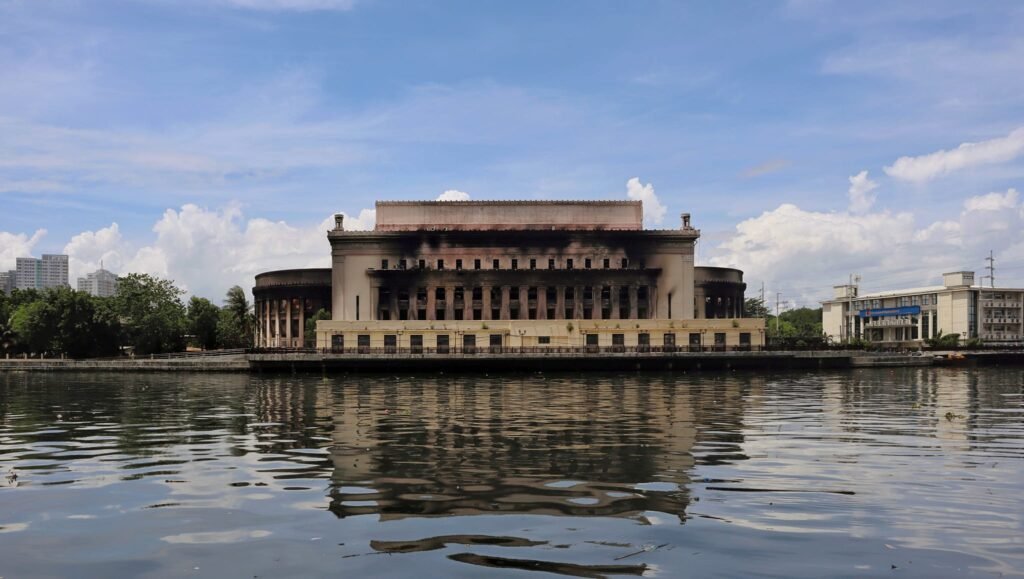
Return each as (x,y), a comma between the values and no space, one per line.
(563,333)
(487,215)
(832,320)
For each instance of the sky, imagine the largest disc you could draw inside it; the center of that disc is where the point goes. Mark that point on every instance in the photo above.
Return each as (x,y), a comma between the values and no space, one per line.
(206,141)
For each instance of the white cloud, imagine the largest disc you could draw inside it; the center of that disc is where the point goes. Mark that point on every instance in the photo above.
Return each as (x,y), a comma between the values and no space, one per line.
(15,245)
(861,198)
(992,201)
(453,195)
(87,250)
(803,253)
(927,167)
(207,251)
(654,211)
(365,221)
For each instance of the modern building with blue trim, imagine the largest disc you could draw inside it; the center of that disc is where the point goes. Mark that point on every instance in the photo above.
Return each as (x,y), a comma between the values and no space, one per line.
(910,316)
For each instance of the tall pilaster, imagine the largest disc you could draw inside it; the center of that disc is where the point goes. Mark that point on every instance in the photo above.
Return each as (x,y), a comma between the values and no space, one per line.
(485,302)
(506,292)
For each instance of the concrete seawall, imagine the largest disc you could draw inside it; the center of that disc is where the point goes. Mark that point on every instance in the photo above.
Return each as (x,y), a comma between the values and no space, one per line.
(236,364)
(506,362)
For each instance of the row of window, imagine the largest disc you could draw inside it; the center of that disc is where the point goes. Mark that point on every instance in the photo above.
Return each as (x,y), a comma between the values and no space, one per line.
(570,263)
(903,301)
(443,341)
(550,293)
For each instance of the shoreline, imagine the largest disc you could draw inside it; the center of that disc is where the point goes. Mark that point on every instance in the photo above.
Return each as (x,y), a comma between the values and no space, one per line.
(510,362)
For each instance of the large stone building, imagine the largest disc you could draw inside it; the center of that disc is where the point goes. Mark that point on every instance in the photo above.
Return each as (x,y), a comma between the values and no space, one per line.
(908,317)
(471,274)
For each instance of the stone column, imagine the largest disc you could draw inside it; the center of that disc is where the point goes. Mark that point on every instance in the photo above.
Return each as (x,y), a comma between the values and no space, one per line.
(652,302)
(288,322)
(577,301)
(506,292)
(467,303)
(524,302)
(485,301)
(414,307)
(560,303)
(633,302)
(449,303)
(275,321)
(542,302)
(302,323)
(431,302)
(613,302)
(265,322)
(393,303)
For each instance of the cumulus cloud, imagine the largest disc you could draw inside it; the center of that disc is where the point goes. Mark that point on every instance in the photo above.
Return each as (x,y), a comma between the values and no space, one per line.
(88,250)
(206,251)
(453,195)
(803,253)
(861,198)
(992,201)
(654,211)
(15,245)
(939,163)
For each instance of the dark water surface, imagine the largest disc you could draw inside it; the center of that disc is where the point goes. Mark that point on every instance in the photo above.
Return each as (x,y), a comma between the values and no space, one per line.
(915,472)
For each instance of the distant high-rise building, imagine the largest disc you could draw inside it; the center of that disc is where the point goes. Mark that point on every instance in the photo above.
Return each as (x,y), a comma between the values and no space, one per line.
(99,283)
(7,281)
(48,272)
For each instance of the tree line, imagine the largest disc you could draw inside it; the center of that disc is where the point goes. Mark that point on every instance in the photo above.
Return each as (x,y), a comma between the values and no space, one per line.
(795,323)
(147,316)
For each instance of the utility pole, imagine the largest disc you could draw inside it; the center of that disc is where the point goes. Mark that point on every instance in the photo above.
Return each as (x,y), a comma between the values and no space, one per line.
(991,267)
(777,296)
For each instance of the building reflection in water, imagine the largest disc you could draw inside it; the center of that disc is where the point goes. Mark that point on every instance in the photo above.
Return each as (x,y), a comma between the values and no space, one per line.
(587,446)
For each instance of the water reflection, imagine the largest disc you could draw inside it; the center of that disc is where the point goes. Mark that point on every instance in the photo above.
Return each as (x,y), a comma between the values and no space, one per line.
(588,475)
(440,447)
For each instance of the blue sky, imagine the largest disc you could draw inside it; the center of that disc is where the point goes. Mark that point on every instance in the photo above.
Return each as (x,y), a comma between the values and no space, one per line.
(207,140)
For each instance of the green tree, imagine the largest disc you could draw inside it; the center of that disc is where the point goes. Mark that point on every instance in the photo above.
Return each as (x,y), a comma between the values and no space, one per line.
(65,321)
(33,325)
(152,314)
(322,314)
(236,320)
(203,321)
(755,308)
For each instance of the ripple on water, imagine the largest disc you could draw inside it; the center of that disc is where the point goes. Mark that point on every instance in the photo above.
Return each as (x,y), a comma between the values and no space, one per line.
(917,472)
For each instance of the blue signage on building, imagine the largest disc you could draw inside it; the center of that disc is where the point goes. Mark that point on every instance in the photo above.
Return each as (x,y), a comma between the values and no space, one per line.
(889,312)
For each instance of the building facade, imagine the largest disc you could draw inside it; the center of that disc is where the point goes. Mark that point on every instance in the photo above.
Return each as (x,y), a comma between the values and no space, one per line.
(50,271)
(100,283)
(718,292)
(7,281)
(908,317)
(284,300)
(469,274)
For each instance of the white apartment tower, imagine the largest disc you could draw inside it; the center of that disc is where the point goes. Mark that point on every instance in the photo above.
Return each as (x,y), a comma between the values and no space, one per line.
(48,272)
(100,283)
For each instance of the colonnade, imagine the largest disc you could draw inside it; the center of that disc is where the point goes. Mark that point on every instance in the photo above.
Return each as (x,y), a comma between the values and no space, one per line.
(280,323)
(520,302)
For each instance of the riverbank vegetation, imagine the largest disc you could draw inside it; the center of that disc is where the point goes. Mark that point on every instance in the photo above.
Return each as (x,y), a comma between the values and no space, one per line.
(147,316)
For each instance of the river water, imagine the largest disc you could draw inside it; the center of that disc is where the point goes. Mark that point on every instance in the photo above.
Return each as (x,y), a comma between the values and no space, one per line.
(909,473)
